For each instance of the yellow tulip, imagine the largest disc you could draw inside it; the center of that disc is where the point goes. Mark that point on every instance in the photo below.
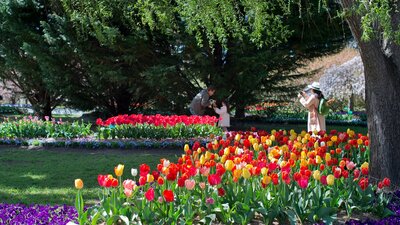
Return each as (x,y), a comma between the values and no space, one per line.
(150,178)
(186,148)
(318,159)
(329,143)
(229,165)
(334,138)
(292,131)
(202,160)
(78,184)
(303,155)
(304,163)
(364,165)
(330,179)
(264,171)
(272,137)
(119,170)
(255,147)
(273,132)
(268,142)
(316,145)
(208,155)
(199,150)
(292,137)
(360,142)
(216,156)
(293,156)
(237,173)
(263,139)
(349,132)
(266,180)
(237,137)
(327,157)
(317,175)
(246,173)
(223,159)
(249,166)
(227,151)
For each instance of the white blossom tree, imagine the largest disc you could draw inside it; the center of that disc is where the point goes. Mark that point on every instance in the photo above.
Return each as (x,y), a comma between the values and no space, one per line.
(345,82)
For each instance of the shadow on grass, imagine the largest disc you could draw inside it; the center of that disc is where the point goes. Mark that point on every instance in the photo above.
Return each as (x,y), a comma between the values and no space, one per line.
(47,176)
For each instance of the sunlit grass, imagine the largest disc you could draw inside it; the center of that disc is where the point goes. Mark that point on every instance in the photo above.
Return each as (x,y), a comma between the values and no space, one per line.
(47,176)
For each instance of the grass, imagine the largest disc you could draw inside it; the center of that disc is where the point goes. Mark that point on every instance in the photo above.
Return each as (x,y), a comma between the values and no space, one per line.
(47,176)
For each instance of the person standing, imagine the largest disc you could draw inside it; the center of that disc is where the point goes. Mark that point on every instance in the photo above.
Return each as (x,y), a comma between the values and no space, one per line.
(222,109)
(201,101)
(310,99)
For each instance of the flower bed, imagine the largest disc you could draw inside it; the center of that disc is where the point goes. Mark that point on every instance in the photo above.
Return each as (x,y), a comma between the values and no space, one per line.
(157,120)
(121,127)
(16,214)
(280,175)
(33,127)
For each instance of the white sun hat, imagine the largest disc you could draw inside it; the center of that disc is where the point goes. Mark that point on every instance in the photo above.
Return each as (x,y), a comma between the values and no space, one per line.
(314,86)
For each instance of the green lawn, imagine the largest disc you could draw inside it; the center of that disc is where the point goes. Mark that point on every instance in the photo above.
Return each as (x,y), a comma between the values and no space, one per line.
(47,176)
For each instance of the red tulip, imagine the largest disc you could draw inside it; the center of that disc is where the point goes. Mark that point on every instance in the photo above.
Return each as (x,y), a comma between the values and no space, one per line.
(144,170)
(168,195)
(149,194)
(221,192)
(363,183)
(386,182)
(214,179)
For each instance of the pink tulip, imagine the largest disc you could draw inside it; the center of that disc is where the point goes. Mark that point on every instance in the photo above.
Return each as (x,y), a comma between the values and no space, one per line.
(210,201)
(303,182)
(129,184)
(189,184)
(205,171)
(202,185)
(350,165)
(128,192)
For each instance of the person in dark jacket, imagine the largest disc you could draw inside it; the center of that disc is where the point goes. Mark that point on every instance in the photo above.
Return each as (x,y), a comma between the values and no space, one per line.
(201,101)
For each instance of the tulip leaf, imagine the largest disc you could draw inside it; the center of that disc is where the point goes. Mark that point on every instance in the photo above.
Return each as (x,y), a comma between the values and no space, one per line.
(293,217)
(95,218)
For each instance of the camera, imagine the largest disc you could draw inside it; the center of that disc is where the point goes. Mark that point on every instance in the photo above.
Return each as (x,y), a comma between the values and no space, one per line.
(307,91)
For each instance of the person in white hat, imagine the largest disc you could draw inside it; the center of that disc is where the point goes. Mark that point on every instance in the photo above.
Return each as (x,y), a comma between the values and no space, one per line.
(310,99)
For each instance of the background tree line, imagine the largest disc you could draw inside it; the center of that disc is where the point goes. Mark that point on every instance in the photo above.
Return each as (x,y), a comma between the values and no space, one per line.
(119,56)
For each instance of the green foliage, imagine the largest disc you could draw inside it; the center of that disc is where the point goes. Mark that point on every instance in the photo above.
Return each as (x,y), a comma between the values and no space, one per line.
(33,128)
(9,110)
(122,56)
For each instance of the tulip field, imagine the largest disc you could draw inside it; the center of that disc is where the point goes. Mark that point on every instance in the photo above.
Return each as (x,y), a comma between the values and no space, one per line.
(237,177)
(278,176)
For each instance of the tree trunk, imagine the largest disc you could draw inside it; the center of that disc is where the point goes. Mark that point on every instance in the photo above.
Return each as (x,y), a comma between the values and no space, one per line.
(41,104)
(240,112)
(351,102)
(381,61)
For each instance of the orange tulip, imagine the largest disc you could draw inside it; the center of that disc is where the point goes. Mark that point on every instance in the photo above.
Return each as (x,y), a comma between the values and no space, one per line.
(78,184)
